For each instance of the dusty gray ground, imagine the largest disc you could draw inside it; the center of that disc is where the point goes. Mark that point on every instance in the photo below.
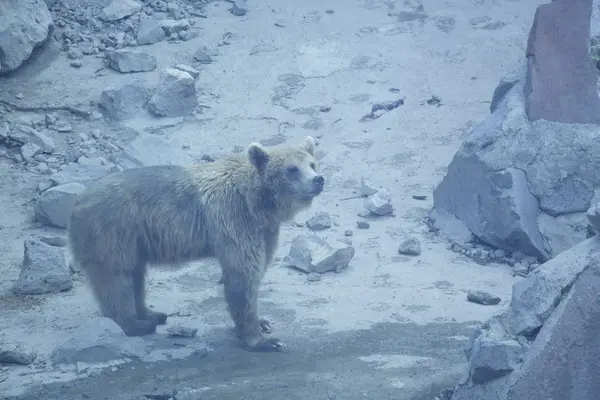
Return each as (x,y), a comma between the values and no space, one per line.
(389,326)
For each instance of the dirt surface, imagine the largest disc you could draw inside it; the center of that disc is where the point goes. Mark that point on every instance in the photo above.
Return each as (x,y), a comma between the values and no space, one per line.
(390,326)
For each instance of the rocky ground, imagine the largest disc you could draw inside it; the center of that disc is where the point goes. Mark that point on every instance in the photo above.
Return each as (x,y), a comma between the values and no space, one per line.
(389,88)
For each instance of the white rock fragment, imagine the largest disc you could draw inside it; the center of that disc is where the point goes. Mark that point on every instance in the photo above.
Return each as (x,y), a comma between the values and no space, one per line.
(380,203)
(313,254)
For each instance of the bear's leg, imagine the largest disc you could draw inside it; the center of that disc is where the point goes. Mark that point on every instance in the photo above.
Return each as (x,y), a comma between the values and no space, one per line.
(114,291)
(241,294)
(139,285)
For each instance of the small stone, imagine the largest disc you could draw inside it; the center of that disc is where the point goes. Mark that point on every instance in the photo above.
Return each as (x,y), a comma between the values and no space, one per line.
(499,254)
(314,254)
(30,150)
(348,232)
(172,27)
(410,246)
(481,297)
(181,331)
(150,31)
(124,101)
(75,54)
(25,134)
(521,269)
(380,203)
(239,8)
(313,277)
(17,355)
(126,61)
(319,221)
(175,95)
(203,55)
(367,188)
(194,73)
(518,255)
(363,224)
(44,270)
(55,205)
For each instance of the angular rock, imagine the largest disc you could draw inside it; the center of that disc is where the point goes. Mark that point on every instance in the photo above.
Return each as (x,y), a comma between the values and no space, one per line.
(58,241)
(561,76)
(55,204)
(30,150)
(25,134)
(313,254)
(518,185)
(491,359)
(181,331)
(562,361)
(98,340)
(410,246)
(239,8)
(380,203)
(83,174)
(17,355)
(124,101)
(24,25)
(319,221)
(149,32)
(149,149)
(119,9)
(175,95)
(534,298)
(204,55)
(483,298)
(44,270)
(173,27)
(194,73)
(131,61)
(367,188)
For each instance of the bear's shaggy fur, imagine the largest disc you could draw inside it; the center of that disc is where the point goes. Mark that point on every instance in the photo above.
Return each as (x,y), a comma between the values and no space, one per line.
(231,209)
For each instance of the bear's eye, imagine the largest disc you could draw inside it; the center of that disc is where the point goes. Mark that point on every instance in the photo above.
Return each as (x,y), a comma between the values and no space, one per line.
(292,169)
(313,165)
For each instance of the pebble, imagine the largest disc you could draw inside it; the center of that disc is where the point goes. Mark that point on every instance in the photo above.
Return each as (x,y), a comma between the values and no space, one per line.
(313,277)
(410,246)
(319,221)
(181,331)
(363,224)
(481,297)
(348,232)
(380,203)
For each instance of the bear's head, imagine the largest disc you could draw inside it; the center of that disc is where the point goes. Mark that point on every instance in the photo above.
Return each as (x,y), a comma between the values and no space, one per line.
(290,176)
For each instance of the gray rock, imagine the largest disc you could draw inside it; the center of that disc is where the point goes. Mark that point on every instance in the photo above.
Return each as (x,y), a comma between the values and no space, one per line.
(119,9)
(483,298)
(313,254)
(519,185)
(150,31)
(181,331)
(534,298)
(30,150)
(25,134)
(367,188)
(313,277)
(239,8)
(55,204)
(491,359)
(131,61)
(380,203)
(173,27)
(148,149)
(319,221)
(58,241)
(521,269)
(44,270)
(204,55)
(17,355)
(363,224)
(561,76)
(175,95)
(562,356)
(194,73)
(121,102)
(98,340)
(78,173)
(24,25)
(410,246)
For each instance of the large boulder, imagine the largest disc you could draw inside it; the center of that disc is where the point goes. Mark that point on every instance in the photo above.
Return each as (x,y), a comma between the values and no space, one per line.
(546,342)
(24,25)
(518,184)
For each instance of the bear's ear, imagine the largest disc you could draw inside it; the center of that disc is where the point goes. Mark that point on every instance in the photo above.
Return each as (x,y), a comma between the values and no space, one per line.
(310,143)
(258,156)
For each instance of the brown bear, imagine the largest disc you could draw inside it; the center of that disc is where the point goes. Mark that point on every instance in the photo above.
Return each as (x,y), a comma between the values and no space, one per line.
(231,209)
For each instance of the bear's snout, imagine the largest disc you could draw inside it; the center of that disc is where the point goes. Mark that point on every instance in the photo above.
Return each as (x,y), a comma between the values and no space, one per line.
(319,182)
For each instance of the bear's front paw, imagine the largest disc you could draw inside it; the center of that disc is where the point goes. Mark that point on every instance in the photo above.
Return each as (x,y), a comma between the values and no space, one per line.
(138,327)
(265,326)
(261,344)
